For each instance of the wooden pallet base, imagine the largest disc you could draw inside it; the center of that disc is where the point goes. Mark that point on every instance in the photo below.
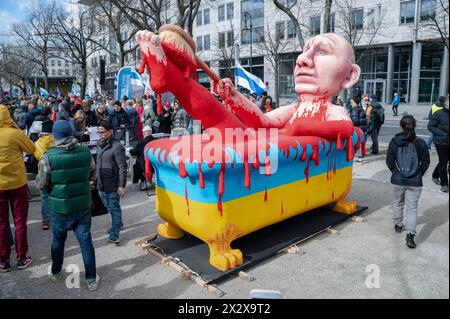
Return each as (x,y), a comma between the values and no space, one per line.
(184,271)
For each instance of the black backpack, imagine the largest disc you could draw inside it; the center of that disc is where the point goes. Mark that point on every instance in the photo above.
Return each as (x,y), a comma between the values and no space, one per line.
(379,115)
(407,160)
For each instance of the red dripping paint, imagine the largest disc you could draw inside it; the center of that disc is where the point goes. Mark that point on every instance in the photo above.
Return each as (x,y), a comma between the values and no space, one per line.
(201,176)
(306,171)
(332,194)
(159,156)
(334,168)
(186,198)
(182,169)
(315,155)
(247,174)
(338,142)
(282,209)
(148,169)
(363,149)
(296,154)
(256,164)
(267,162)
(219,205)
(221,179)
(303,157)
(211,164)
(350,150)
(329,150)
(265,193)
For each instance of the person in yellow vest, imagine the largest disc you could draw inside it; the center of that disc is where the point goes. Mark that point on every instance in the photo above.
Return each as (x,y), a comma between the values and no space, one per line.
(43,144)
(13,190)
(439,105)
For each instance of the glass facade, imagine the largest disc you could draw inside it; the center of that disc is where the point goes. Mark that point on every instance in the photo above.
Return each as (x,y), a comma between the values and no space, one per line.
(252,21)
(430,72)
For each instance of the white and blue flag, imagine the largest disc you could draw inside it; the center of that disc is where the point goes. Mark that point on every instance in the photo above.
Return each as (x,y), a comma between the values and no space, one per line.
(248,80)
(43,92)
(129,83)
(58,92)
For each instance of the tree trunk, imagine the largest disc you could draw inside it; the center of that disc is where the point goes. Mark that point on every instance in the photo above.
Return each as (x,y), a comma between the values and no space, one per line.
(277,86)
(121,54)
(83,80)
(326,15)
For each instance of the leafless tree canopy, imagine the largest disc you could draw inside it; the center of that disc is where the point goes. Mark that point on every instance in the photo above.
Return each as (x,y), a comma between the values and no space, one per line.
(439,21)
(289,10)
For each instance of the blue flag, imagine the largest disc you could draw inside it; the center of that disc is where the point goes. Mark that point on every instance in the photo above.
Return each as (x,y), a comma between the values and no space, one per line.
(248,80)
(44,93)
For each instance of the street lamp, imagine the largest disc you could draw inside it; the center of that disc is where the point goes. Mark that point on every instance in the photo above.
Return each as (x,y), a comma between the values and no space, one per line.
(246,14)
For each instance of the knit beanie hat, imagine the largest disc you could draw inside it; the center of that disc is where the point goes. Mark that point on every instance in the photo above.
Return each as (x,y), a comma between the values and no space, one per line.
(47,126)
(62,129)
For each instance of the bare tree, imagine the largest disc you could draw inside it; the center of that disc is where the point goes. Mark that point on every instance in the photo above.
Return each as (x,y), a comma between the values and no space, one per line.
(144,14)
(289,10)
(35,34)
(439,21)
(115,22)
(273,48)
(75,33)
(187,11)
(15,69)
(326,15)
(226,54)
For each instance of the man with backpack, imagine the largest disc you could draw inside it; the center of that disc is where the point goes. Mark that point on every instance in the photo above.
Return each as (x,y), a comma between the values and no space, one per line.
(375,119)
(408,160)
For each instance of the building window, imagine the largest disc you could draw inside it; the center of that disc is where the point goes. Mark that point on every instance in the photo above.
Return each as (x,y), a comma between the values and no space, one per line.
(67,71)
(206,17)
(230,38)
(52,62)
(222,40)
(252,21)
(357,19)
(279,30)
(206,42)
(59,63)
(59,72)
(53,72)
(331,23)
(374,16)
(67,63)
(407,9)
(199,19)
(315,25)
(291,30)
(199,44)
(427,9)
(221,13)
(230,11)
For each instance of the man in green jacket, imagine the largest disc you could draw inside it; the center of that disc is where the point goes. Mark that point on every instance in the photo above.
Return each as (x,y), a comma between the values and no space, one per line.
(65,171)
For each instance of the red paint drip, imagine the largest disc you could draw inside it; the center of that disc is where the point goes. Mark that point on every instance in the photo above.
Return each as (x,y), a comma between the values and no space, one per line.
(338,142)
(307,172)
(182,169)
(219,205)
(221,179)
(296,154)
(363,150)
(267,163)
(282,209)
(334,168)
(350,150)
(159,156)
(247,174)
(315,155)
(303,157)
(201,176)
(186,198)
(332,194)
(256,164)
(148,169)
(265,193)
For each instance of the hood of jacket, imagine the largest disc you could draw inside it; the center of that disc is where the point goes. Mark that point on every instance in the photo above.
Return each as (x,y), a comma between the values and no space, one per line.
(376,104)
(401,139)
(67,143)
(5,117)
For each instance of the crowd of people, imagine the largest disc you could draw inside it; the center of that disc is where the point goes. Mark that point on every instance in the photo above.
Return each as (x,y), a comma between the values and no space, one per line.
(52,130)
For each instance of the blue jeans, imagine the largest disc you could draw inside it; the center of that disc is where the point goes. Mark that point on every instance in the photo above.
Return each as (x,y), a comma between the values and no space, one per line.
(45,212)
(111,201)
(430,140)
(80,223)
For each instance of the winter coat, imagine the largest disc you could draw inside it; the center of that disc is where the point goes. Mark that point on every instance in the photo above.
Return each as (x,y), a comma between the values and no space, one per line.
(138,151)
(20,117)
(165,122)
(119,119)
(180,119)
(438,125)
(359,117)
(396,100)
(43,144)
(13,143)
(140,111)
(30,117)
(399,140)
(111,168)
(148,116)
(371,116)
(91,119)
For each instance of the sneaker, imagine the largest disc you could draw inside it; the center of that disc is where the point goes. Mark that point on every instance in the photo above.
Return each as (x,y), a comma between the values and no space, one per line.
(444,188)
(5,267)
(92,284)
(436,181)
(399,228)
(45,225)
(114,241)
(410,241)
(22,264)
(53,277)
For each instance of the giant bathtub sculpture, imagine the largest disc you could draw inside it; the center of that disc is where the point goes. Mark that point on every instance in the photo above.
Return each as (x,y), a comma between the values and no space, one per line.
(220,189)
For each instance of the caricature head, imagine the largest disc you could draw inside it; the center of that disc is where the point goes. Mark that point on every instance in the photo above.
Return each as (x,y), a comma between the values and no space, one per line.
(326,66)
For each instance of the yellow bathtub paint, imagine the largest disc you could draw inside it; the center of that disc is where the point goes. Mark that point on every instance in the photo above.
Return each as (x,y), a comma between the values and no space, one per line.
(203,220)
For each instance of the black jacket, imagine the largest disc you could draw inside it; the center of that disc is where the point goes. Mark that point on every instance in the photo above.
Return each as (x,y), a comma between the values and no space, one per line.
(359,117)
(91,118)
(119,119)
(373,123)
(401,139)
(165,122)
(438,125)
(111,165)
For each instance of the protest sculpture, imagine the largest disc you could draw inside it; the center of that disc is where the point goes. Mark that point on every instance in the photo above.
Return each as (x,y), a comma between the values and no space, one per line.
(249,170)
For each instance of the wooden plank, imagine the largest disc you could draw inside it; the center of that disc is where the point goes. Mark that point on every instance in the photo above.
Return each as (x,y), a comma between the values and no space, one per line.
(245,276)
(358,219)
(294,249)
(332,231)
(144,240)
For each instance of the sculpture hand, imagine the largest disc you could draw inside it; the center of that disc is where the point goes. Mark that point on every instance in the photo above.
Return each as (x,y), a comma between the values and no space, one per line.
(225,89)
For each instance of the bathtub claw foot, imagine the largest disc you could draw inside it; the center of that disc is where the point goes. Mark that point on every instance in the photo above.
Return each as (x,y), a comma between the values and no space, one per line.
(225,260)
(345,206)
(170,231)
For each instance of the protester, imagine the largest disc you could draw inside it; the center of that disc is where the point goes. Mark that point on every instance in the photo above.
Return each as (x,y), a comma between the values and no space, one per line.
(165,119)
(140,113)
(375,116)
(111,176)
(359,119)
(268,105)
(149,116)
(78,124)
(138,151)
(100,113)
(13,190)
(365,102)
(408,160)
(438,125)
(180,120)
(91,119)
(65,170)
(43,144)
(20,116)
(439,105)
(395,103)
(133,115)
(119,119)
(66,113)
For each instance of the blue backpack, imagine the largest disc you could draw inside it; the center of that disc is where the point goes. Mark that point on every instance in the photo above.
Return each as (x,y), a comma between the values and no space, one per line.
(407,160)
